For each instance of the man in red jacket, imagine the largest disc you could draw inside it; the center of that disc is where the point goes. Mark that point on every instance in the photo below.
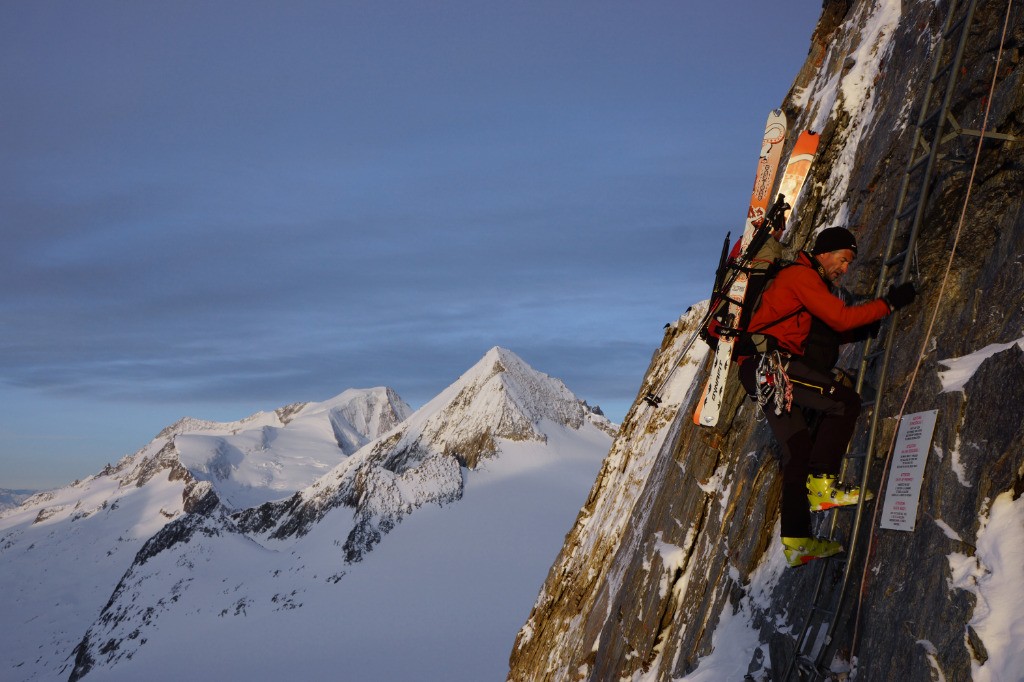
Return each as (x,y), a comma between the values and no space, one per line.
(801,299)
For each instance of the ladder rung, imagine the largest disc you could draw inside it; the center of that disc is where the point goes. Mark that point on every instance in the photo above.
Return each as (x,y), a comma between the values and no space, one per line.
(856,455)
(898,258)
(988,135)
(820,609)
(867,403)
(907,210)
(918,163)
(954,27)
(875,353)
(943,71)
(931,118)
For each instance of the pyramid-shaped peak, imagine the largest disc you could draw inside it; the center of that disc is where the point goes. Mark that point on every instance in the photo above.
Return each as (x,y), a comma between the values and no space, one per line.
(500,370)
(499,359)
(502,361)
(501,396)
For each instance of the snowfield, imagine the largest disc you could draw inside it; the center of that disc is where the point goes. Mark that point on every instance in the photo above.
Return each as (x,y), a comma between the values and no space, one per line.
(145,571)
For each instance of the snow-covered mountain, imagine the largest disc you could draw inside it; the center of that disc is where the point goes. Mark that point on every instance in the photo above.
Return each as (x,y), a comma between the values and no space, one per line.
(244,550)
(9,499)
(62,551)
(499,399)
(271,456)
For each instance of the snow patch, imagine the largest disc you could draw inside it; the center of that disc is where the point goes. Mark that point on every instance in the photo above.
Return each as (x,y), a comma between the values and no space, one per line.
(957,464)
(735,642)
(932,654)
(714,484)
(950,533)
(960,370)
(994,574)
(852,88)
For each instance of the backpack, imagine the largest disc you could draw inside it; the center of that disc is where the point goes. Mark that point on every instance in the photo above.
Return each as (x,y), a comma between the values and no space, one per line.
(762,269)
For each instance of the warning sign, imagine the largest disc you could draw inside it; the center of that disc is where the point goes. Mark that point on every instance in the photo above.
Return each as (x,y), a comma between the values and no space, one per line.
(906,472)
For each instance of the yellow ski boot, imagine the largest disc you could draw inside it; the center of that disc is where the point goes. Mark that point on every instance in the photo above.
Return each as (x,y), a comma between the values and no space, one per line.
(823,494)
(799,551)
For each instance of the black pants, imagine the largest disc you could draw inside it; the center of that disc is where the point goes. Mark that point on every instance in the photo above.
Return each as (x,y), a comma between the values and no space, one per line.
(839,406)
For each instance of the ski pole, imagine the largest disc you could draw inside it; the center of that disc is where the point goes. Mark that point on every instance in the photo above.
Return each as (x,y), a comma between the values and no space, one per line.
(774,220)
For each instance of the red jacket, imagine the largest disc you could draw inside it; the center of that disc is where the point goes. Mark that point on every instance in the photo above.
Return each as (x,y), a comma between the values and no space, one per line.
(802,287)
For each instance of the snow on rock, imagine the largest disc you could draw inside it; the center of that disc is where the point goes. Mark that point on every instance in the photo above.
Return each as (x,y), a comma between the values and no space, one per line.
(848,91)
(609,516)
(994,574)
(960,370)
(251,578)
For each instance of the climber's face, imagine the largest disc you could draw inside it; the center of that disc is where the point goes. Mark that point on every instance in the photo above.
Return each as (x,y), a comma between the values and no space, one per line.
(836,263)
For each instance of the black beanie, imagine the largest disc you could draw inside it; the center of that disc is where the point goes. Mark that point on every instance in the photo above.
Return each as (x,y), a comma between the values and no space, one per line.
(834,239)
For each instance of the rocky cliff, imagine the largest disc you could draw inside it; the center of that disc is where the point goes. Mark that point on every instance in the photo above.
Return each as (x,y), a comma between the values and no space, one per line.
(675,560)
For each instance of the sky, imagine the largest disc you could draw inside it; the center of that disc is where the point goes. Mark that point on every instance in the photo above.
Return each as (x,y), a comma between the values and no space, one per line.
(210,209)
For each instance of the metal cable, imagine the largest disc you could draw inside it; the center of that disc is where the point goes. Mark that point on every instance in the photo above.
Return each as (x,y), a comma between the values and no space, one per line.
(928,333)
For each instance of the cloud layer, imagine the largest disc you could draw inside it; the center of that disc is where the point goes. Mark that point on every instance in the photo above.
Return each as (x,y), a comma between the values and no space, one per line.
(262,202)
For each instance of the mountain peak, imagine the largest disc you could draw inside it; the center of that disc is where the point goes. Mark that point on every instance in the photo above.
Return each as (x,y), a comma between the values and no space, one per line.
(501,396)
(273,458)
(500,399)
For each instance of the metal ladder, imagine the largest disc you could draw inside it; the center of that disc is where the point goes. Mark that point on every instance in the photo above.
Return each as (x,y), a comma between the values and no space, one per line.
(812,656)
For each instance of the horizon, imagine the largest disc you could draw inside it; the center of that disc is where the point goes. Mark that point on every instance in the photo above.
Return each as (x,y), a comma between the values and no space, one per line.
(217,210)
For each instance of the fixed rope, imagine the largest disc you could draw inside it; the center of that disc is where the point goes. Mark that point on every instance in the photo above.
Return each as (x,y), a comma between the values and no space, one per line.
(928,332)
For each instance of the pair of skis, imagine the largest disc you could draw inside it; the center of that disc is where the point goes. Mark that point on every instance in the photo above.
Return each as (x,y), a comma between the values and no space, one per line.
(733,287)
(755,233)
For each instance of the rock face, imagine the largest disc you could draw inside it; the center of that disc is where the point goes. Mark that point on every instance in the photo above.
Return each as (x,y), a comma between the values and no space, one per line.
(679,535)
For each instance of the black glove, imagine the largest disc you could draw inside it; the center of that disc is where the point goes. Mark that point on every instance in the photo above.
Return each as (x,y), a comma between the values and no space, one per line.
(900,296)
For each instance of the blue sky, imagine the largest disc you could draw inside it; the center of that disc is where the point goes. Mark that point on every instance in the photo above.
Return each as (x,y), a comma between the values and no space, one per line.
(213,208)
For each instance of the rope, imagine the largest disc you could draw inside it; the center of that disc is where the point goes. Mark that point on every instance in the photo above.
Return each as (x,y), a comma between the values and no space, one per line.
(928,333)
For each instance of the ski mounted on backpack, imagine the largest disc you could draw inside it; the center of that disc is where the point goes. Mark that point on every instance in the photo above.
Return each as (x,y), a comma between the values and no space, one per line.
(764,265)
(753,277)
(767,165)
(725,276)
(741,260)
(720,321)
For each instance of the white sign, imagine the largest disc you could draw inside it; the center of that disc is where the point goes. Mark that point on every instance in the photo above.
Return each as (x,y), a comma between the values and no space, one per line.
(913,442)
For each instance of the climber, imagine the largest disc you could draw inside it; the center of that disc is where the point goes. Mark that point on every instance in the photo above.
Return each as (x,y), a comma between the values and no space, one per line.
(801,311)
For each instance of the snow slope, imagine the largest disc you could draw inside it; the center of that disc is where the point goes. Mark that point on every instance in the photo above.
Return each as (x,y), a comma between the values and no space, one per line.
(250,466)
(63,551)
(440,598)
(416,557)
(10,499)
